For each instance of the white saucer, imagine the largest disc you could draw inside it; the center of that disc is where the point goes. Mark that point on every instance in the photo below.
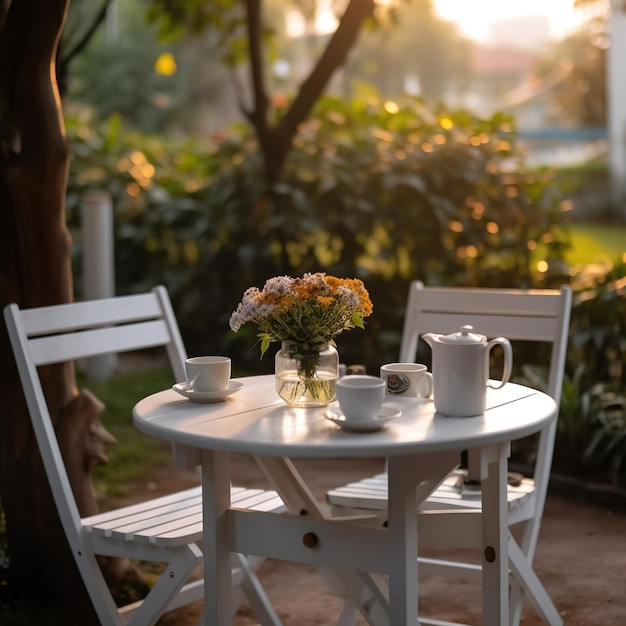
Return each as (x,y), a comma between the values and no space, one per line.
(207,396)
(386,414)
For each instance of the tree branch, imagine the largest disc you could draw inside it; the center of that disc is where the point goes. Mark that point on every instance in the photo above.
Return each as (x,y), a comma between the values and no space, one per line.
(84,40)
(258,113)
(333,57)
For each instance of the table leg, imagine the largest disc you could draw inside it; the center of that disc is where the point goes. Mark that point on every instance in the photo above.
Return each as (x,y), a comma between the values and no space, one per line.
(402,521)
(216,548)
(495,557)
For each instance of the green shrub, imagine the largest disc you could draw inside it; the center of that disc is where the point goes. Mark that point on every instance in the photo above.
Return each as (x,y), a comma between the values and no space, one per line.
(592,424)
(383,196)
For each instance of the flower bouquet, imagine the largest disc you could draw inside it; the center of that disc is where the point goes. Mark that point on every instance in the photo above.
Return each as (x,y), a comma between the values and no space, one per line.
(305,314)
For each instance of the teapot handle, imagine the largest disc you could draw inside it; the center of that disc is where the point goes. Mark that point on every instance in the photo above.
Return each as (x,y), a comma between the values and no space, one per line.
(508,360)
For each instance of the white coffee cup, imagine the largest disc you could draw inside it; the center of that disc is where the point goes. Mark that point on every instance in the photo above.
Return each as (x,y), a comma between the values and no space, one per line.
(360,396)
(410,380)
(208,373)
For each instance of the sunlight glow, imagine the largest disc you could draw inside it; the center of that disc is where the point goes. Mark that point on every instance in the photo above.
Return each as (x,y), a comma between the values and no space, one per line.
(474,18)
(391,107)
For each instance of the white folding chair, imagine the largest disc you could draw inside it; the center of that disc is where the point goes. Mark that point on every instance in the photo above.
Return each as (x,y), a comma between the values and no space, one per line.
(165,529)
(520,315)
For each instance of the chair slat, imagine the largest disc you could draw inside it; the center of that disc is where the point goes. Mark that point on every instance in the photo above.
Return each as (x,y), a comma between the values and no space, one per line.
(87,343)
(175,518)
(102,519)
(525,303)
(77,315)
(514,327)
(152,525)
(124,523)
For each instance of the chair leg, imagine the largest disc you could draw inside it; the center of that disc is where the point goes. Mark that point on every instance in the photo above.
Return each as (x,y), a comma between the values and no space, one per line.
(260,603)
(348,616)
(176,574)
(367,594)
(348,586)
(516,599)
(526,576)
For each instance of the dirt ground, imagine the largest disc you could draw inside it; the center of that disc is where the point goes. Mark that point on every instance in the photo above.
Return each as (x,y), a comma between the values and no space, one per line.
(581,559)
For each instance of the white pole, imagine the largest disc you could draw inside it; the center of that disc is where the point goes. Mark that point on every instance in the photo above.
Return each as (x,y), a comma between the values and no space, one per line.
(616,86)
(112,25)
(98,266)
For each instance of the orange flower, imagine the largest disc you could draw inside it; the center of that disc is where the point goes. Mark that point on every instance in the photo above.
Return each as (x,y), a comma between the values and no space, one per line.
(311,309)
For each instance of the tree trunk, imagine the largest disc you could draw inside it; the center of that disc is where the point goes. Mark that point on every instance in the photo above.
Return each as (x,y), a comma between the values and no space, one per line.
(35,271)
(275,142)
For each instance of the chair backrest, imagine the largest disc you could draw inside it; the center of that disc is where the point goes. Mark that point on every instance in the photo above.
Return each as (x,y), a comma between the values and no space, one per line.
(539,315)
(77,330)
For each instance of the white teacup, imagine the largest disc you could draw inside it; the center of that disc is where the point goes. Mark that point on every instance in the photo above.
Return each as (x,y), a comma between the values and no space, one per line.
(208,373)
(360,396)
(411,380)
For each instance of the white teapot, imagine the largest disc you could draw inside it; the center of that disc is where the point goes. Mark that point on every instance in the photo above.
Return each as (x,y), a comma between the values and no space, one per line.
(461,371)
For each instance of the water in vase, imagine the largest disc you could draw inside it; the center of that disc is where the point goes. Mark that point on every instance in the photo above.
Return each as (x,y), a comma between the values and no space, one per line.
(299,391)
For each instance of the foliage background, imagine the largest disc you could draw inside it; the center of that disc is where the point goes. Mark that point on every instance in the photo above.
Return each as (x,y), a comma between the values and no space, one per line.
(383,196)
(379,187)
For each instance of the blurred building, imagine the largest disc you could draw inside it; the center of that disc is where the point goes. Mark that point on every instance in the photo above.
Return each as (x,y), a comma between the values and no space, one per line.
(504,79)
(495,72)
(531,33)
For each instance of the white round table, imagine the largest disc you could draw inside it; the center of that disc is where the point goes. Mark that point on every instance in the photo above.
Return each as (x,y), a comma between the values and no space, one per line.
(421,445)
(256,421)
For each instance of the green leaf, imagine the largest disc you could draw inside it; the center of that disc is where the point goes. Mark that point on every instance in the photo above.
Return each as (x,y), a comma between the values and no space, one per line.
(265,342)
(357,320)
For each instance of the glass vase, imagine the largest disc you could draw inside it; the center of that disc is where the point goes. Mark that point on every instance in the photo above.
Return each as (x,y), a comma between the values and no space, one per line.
(306,373)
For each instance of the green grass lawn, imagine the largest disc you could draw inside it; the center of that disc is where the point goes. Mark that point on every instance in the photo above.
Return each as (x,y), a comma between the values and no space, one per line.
(135,454)
(596,243)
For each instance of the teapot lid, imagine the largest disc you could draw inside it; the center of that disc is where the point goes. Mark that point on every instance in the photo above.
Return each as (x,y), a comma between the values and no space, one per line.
(465,336)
